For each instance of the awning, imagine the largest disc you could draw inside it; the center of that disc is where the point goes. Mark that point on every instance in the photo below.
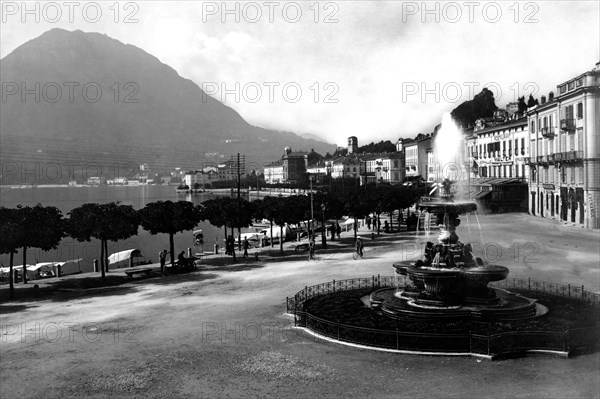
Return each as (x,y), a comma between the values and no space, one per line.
(482,194)
(123,255)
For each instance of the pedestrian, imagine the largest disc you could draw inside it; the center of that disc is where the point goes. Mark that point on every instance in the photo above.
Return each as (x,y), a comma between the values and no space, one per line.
(359,246)
(386,227)
(162,255)
(378,224)
(339,230)
(246,245)
(368,222)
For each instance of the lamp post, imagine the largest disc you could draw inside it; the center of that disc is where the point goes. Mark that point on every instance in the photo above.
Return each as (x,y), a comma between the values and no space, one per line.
(323,239)
(311,209)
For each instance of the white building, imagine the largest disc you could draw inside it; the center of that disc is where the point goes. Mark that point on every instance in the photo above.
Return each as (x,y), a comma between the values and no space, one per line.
(499,150)
(564,165)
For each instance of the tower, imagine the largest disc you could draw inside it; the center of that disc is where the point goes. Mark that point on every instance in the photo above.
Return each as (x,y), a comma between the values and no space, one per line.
(352,144)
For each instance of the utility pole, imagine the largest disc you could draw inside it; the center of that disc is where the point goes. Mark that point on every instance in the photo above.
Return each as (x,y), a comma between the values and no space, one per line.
(240,164)
(311,208)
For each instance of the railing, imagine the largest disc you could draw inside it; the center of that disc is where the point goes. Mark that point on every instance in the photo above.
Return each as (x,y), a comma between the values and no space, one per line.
(474,343)
(567,124)
(572,155)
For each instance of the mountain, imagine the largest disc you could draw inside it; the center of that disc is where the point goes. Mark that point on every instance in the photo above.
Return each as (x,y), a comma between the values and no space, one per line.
(481,106)
(106,103)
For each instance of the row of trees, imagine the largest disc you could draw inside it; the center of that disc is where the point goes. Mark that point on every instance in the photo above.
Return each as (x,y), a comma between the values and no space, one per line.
(44,227)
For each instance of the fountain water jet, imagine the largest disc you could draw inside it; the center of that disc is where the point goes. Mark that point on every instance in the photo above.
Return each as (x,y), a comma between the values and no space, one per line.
(449,282)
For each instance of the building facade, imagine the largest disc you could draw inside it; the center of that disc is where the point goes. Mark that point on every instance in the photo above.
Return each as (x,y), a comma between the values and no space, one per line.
(564,165)
(273,172)
(499,150)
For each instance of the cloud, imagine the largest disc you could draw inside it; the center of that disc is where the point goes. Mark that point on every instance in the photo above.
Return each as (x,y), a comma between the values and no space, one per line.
(368,54)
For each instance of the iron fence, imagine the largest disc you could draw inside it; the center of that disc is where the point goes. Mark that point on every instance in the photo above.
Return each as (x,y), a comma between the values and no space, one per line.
(468,342)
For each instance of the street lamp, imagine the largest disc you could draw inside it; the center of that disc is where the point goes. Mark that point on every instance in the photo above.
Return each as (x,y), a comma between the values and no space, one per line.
(323,239)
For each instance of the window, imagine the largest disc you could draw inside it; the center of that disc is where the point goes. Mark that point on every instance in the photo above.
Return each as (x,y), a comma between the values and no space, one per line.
(533,174)
(580,175)
(572,174)
(551,174)
(522,146)
(579,110)
(396,176)
(396,164)
(563,175)
(571,142)
(532,126)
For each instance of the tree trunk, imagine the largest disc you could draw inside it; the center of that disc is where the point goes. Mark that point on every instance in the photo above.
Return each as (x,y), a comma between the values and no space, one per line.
(233,247)
(239,238)
(172,249)
(24,265)
(281,239)
(378,224)
(271,239)
(11,276)
(102,259)
(355,227)
(106,254)
(391,221)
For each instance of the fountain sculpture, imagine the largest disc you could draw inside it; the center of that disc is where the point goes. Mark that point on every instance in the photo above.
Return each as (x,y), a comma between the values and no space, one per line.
(449,282)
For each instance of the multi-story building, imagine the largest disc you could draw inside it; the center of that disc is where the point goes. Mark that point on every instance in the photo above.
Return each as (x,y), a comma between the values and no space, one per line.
(564,162)
(383,168)
(343,167)
(498,150)
(274,172)
(411,157)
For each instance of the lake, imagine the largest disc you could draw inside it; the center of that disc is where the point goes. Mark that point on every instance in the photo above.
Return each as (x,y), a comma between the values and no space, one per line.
(67,198)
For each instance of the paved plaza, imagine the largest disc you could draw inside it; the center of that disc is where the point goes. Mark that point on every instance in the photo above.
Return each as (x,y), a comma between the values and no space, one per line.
(222,331)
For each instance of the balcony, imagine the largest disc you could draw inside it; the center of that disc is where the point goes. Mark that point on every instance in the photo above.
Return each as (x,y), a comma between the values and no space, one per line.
(567,125)
(547,132)
(572,156)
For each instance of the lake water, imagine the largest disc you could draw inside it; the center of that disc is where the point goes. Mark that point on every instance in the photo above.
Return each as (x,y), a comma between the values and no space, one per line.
(68,198)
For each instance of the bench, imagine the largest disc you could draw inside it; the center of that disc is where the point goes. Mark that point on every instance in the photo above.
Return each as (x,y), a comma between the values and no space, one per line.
(301,247)
(130,273)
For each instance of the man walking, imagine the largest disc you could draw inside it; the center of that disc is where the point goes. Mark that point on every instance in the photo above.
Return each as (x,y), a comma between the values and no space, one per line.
(162,255)
(246,245)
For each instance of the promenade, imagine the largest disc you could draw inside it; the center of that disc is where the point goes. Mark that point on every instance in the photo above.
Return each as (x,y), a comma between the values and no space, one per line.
(221,331)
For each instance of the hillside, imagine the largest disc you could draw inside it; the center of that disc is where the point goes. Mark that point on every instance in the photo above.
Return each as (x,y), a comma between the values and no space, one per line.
(105,102)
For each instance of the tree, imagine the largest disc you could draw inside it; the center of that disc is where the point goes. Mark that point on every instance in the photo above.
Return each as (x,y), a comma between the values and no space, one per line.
(357,204)
(213,211)
(105,222)
(266,209)
(9,239)
(239,213)
(289,210)
(522,105)
(38,227)
(168,217)
(532,101)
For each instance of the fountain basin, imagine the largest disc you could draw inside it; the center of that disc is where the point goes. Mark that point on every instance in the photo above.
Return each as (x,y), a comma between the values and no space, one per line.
(393,303)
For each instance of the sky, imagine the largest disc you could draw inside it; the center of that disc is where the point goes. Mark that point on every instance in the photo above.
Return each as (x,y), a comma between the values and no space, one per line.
(377,70)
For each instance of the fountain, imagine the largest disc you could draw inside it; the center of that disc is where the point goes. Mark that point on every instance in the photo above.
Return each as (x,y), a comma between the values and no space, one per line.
(449,282)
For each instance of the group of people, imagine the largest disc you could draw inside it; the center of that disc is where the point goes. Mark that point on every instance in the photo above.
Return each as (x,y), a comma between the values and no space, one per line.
(182,261)
(230,246)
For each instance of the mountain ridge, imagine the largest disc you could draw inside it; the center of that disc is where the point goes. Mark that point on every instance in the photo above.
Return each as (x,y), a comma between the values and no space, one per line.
(116,102)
